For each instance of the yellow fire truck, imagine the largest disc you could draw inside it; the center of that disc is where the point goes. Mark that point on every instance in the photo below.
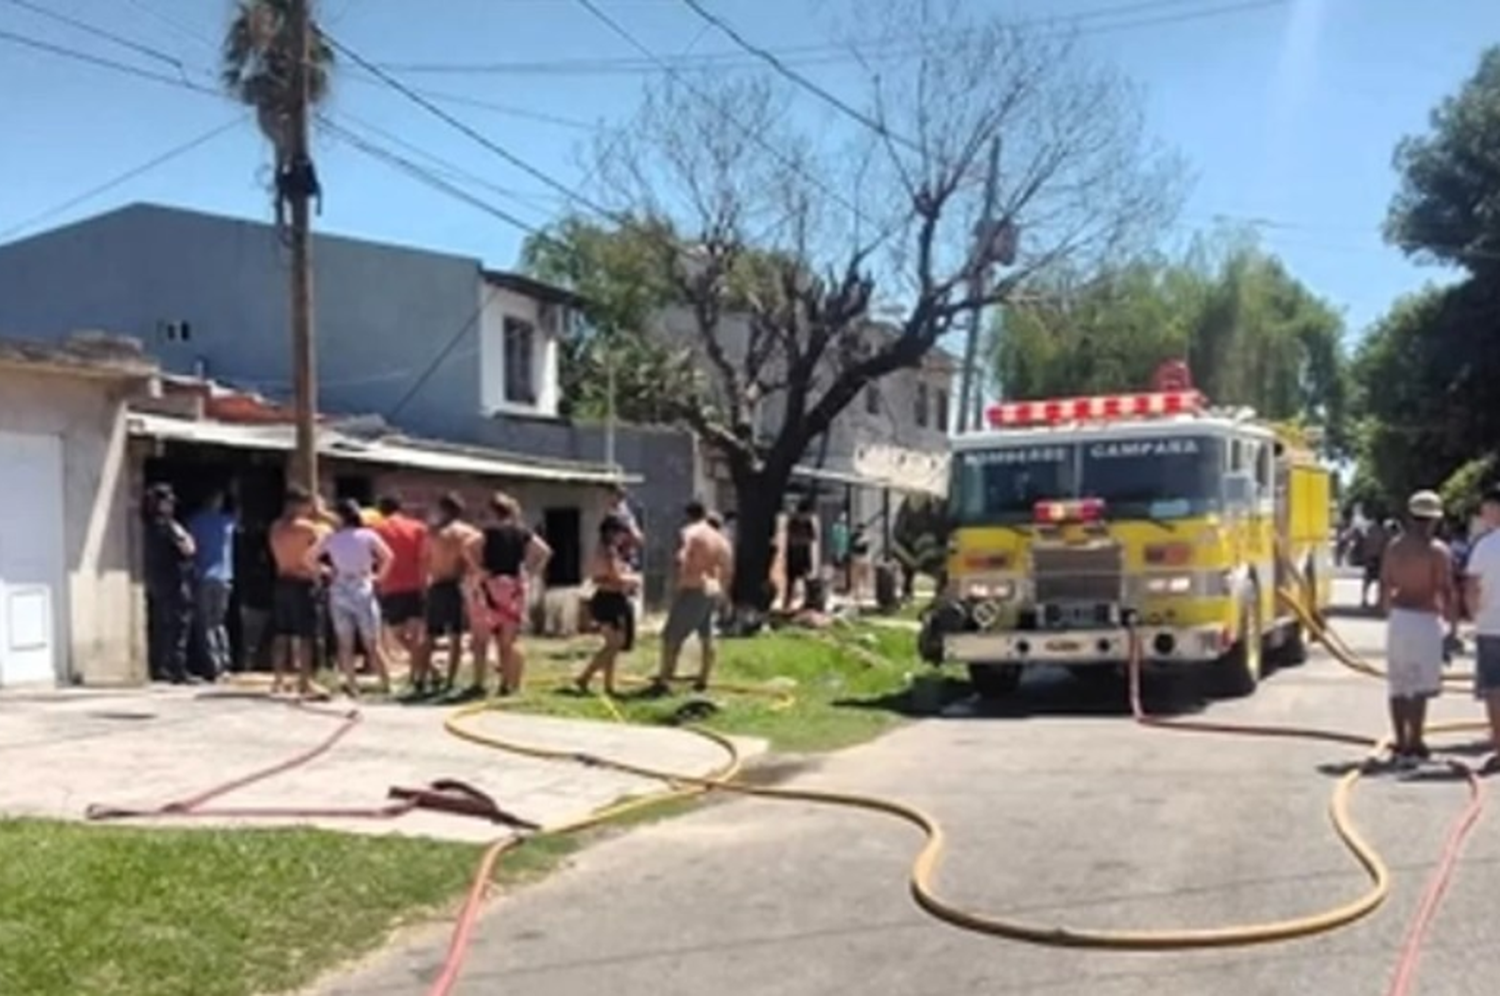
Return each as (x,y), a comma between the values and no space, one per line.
(1072,520)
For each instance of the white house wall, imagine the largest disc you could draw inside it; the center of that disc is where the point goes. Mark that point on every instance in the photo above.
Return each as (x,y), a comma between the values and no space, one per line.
(496,304)
(98,611)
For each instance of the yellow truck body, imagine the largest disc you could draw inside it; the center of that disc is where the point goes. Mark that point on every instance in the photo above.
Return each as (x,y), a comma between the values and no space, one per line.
(1175,524)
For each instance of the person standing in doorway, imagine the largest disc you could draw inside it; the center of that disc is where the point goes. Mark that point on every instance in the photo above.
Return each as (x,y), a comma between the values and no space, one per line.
(214,530)
(704,568)
(1416,594)
(361,563)
(169,553)
(447,568)
(403,594)
(294,601)
(503,557)
(801,550)
(1482,584)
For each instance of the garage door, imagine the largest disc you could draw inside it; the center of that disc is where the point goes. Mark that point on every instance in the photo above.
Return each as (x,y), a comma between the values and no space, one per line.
(32,564)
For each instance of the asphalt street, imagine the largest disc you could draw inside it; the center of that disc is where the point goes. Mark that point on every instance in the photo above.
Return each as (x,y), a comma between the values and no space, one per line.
(1058,810)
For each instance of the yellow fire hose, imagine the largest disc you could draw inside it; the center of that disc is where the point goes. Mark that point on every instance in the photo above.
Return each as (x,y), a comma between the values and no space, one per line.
(927,863)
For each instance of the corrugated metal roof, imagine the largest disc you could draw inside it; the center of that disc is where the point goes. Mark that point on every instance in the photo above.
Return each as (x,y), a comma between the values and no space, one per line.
(389,452)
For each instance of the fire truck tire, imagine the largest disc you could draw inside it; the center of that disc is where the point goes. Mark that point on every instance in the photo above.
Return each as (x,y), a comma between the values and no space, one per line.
(1238,672)
(995,681)
(1293,650)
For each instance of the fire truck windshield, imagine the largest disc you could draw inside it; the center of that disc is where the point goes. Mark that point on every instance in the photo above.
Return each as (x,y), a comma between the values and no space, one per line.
(1168,477)
(1003,485)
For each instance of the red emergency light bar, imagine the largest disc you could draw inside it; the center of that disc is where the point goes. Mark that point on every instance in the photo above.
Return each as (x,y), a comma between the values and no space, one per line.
(1080,510)
(1104,407)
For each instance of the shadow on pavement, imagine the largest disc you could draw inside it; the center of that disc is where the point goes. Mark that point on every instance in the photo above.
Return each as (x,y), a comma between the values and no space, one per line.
(1044,692)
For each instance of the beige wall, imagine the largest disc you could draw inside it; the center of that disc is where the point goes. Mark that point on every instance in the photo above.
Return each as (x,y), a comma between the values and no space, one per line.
(99,607)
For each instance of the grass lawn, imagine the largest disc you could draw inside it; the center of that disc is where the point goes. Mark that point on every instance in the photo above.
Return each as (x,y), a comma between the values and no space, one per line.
(113,911)
(849,684)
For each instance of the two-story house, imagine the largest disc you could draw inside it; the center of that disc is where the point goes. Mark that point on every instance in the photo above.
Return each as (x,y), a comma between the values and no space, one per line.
(435,344)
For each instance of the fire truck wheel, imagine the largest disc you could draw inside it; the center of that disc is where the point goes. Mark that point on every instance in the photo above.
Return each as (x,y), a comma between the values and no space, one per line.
(1294,650)
(995,681)
(1238,672)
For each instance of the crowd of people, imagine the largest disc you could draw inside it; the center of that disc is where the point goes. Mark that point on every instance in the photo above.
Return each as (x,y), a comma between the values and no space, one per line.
(1425,589)
(382,582)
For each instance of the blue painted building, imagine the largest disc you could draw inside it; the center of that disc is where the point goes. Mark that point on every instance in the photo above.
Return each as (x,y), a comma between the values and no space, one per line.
(436,344)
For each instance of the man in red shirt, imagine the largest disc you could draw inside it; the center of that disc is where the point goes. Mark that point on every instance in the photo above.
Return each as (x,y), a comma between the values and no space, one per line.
(403,595)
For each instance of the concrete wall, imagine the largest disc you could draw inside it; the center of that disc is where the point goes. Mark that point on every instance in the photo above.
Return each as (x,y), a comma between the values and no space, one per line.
(103,619)
(385,314)
(667,459)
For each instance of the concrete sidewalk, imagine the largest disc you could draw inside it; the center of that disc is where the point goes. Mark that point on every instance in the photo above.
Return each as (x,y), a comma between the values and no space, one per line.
(62,751)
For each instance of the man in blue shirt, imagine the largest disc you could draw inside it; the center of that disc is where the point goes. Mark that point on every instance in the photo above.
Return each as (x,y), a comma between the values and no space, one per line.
(213,529)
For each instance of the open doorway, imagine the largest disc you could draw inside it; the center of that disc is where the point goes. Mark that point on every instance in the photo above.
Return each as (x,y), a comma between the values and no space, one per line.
(562,528)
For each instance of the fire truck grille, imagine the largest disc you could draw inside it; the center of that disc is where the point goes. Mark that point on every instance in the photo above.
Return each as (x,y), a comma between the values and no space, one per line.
(1078,574)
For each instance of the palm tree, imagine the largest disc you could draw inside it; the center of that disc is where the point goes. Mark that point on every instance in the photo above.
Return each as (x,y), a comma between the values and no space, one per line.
(258,57)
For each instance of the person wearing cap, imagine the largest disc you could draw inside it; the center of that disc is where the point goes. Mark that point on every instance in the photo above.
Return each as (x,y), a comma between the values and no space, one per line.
(1482,596)
(1416,595)
(169,552)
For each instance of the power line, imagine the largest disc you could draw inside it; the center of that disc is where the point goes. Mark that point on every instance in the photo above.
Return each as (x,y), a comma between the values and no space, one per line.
(180,27)
(125,177)
(619,29)
(417,171)
(452,170)
(826,53)
(824,94)
(460,125)
(103,62)
(97,32)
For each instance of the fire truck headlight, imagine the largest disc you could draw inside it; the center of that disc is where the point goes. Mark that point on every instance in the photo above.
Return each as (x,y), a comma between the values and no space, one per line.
(1001,590)
(1177,585)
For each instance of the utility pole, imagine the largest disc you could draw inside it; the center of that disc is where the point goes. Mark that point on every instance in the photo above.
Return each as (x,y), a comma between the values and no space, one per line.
(984,238)
(298,185)
(609,401)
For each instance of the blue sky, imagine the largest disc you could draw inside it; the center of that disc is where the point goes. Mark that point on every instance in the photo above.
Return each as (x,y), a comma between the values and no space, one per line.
(1286,112)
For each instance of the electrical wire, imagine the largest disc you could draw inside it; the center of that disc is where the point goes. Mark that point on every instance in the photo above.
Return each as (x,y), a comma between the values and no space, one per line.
(104,62)
(823,93)
(829,53)
(98,32)
(155,162)
(457,123)
(779,155)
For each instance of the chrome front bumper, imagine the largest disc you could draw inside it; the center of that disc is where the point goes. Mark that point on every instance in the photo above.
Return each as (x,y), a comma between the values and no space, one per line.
(1160,645)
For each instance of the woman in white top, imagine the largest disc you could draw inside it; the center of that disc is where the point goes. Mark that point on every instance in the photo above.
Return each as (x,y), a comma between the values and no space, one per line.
(359,559)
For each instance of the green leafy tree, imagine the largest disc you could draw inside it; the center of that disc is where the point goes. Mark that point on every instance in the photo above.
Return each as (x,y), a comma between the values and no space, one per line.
(1447,208)
(1251,333)
(1426,371)
(1424,374)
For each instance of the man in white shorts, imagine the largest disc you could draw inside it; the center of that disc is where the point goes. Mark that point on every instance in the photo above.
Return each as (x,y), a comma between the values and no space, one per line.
(1417,594)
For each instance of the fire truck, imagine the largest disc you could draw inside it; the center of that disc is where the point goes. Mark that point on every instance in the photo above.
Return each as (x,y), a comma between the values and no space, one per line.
(1075,521)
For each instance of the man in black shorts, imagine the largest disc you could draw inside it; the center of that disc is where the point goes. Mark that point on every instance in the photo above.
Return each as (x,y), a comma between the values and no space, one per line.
(446,565)
(294,609)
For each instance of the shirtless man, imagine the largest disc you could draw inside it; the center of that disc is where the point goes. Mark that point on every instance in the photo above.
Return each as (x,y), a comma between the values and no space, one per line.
(446,567)
(704,565)
(1416,594)
(294,607)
